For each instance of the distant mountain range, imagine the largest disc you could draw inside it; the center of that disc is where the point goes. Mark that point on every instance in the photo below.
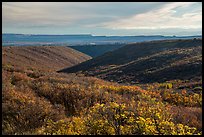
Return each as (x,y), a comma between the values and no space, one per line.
(145,62)
(73,40)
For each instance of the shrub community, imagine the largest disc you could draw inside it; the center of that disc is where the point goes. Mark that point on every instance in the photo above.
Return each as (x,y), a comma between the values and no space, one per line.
(38,102)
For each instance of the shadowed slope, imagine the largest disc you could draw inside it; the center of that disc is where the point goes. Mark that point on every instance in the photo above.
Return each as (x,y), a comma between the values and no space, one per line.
(154,61)
(96,50)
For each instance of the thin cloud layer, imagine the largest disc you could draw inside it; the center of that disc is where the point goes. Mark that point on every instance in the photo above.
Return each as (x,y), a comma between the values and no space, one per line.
(163,18)
(102,18)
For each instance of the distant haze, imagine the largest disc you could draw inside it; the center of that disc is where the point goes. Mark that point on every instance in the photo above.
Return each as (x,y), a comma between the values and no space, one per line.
(73,40)
(103,18)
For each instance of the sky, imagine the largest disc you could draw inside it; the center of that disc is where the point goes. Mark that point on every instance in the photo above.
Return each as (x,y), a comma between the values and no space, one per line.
(102,18)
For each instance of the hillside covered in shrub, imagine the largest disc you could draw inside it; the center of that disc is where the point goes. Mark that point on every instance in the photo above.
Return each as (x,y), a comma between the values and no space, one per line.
(43,102)
(146,62)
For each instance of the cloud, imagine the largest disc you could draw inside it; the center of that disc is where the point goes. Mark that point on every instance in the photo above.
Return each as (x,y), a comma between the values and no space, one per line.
(100,17)
(24,14)
(163,18)
(35,14)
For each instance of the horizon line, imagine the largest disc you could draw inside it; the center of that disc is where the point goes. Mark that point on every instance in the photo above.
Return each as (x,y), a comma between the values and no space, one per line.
(100,35)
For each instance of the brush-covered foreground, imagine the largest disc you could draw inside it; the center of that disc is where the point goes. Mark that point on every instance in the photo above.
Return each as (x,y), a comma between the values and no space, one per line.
(42,102)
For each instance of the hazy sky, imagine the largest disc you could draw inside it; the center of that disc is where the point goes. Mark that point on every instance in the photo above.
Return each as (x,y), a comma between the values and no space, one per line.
(103,18)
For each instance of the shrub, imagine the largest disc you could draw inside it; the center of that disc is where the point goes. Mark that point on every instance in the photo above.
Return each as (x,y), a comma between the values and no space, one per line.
(23,112)
(72,126)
